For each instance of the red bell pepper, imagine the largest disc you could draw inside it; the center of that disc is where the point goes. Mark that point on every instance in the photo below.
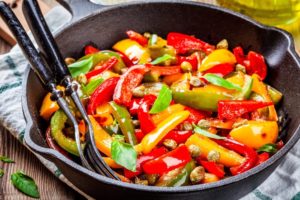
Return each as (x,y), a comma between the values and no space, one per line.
(134,105)
(184,43)
(262,158)
(196,115)
(139,135)
(222,69)
(279,144)
(89,49)
(232,109)
(164,70)
(128,81)
(213,168)
(155,153)
(106,66)
(249,153)
(178,136)
(192,59)
(254,62)
(125,59)
(146,122)
(171,160)
(137,37)
(102,94)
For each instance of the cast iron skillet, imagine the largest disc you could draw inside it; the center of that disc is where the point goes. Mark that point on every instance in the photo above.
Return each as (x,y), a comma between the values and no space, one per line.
(107,25)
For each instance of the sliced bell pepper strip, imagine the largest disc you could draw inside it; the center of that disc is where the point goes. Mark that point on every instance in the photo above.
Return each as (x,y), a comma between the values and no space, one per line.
(217,57)
(192,59)
(262,158)
(204,98)
(169,79)
(123,118)
(139,135)
(196,115)
(102,94)
(260,88)
(213,168)
(155,153)
(178,136)
(171,160)
(128,81)
(57,125)
(146,123)
(275,95)
(177,177)
(232,109)
(102,139)
(249,153)
(159,117)
(106,66)
(162,129)
(227,157)
(165,70)
(53,145)
(222,69)
(111,163)
(218,123)
(89,49)
(239,55)
(120,64)
(137,37)
(184,43)
(256,133)
(210,178)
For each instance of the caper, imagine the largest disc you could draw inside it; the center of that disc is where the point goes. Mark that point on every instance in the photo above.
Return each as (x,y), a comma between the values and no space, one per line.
(213,156)
(152,178)
(170,144)
(140,181)
(194,150)
(187,126)
(186,66)
(223,44)
(195,81)
(203,123)
(69,61)
(197,174)
(241,68)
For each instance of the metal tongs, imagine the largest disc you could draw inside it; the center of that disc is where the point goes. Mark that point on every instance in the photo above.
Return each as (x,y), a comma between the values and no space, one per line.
(52,70)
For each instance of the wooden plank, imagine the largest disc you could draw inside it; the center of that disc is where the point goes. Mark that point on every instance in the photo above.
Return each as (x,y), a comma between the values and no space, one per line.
(16,5)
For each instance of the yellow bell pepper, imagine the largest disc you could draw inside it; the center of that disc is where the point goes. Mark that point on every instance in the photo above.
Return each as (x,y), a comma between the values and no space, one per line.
(260,88)
(110,162)
(133,50)
(102,139)
(163,128)
(227,157)
(103,108)
(49,107)
(219,56)
(105,75)
(159,117)
(256,133)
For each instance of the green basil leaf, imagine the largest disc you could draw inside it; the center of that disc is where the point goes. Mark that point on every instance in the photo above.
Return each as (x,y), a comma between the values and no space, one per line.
(25,184)
(162,101)
(124,154)
(1,173)
(269,148)
(217,80)
(207,133)
(81,67)
(162,59)
(6,159)
(92,85)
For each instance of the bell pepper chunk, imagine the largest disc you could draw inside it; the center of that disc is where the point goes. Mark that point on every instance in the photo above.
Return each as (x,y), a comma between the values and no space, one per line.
(178,136)
(106,66)
(133,50)
(159,117)
(162,129)
(221,69)
(89,49)
(213,168)
(227,157)
(217,57)
(171,160)
(210,178)
(48,107)
(146,123)
(137,37)
(256,133)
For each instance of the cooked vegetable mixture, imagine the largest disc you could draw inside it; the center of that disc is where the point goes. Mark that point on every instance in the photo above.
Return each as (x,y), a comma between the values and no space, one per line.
(171,112)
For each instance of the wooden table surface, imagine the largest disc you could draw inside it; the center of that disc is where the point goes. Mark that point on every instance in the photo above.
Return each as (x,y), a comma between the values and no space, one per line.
(49,186)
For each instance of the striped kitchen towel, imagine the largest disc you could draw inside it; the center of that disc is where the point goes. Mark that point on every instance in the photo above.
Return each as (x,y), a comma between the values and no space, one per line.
(283,184)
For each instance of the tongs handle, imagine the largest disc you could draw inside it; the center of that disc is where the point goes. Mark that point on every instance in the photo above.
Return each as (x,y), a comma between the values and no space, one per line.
(36,61)
(44,39)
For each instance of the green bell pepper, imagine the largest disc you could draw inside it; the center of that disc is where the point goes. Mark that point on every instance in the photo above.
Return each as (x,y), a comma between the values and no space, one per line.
(275,95)
(177,177)
(123,118)
(57,125)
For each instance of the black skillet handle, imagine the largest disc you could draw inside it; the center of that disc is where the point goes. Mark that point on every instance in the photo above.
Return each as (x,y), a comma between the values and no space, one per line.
(80,8)
(44,39)
(32,55)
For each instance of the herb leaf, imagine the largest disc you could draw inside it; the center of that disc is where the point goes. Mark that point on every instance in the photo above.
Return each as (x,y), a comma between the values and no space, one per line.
(1,173)
(5,159)
(207,133)
(124,154)
(217,80)
(25,184)
(81,67)
(162,101)
(161,59)
(269,148)
(92,85)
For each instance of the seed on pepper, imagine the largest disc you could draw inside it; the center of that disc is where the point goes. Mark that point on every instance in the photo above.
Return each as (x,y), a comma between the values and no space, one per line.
(213,156)
(69,61)
(223,44)
(194,150)
(170,144)
(197,174)
(139,181)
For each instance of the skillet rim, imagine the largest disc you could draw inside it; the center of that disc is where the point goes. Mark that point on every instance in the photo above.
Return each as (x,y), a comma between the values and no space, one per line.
(183,189)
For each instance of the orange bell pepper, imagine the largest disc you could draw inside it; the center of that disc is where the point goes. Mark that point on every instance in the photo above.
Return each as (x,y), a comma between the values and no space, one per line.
(48,107)
(159,117)
(111,163)
(210,178)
